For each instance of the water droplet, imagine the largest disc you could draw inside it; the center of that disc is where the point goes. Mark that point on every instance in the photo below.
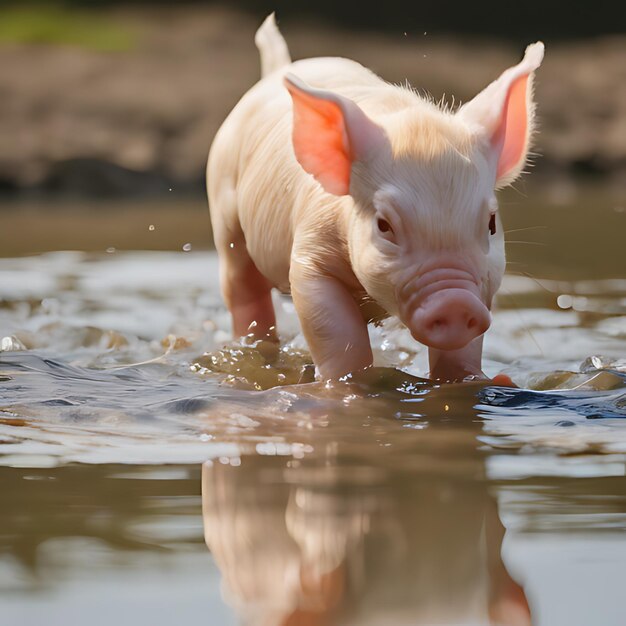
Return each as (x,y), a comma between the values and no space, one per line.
(187,247)
(489,396)
(170,189)
(151,227)
(11,344)
(565,301)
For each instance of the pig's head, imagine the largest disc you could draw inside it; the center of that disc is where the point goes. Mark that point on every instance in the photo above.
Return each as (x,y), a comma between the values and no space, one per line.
(425,238)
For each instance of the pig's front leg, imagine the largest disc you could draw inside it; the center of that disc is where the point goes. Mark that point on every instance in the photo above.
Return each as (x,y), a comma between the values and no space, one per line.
(456,365)
(247,293)
(331,321)
(250,303)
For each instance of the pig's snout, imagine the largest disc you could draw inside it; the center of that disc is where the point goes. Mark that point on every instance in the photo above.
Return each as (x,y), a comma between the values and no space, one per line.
(449,319)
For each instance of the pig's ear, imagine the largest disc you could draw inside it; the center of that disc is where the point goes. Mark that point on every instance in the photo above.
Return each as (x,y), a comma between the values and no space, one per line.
(503,115)
(330,133)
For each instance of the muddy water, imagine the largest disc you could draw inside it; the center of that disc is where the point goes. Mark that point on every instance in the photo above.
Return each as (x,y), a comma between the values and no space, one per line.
(132,432)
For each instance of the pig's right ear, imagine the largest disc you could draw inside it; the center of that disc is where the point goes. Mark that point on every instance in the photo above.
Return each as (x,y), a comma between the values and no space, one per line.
(502,115)
(330,133)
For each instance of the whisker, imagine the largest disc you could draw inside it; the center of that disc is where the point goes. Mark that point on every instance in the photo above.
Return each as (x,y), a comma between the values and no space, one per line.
(518,230)
(526,329)
(529,243)
(518,191)
(535,280)
(512,203)
(585,382)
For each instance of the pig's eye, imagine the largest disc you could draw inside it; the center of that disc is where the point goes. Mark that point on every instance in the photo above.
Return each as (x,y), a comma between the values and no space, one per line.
(492,224)
(384,226)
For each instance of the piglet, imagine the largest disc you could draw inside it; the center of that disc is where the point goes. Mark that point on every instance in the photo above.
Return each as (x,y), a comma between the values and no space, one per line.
(330,184)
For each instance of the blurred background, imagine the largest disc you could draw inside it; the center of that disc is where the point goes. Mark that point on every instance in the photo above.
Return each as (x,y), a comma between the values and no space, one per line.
(108,109)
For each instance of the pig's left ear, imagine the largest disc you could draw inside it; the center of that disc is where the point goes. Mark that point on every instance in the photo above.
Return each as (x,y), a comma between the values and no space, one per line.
(330,133)
(503,115)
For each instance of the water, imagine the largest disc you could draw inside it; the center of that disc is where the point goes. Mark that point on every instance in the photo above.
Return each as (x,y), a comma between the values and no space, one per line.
(132,431)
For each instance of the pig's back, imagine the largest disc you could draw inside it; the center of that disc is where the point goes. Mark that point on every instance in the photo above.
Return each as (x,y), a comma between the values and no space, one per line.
(252,155)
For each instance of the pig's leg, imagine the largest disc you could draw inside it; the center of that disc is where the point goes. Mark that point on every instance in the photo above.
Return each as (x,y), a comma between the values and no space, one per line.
(332,323)
(246,291)
(508,605)
(455,365)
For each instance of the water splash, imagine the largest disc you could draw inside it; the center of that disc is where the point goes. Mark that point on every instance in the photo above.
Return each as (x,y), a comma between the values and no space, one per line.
(128,359)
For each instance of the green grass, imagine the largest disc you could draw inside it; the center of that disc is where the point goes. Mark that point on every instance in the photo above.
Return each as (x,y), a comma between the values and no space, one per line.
(56,25)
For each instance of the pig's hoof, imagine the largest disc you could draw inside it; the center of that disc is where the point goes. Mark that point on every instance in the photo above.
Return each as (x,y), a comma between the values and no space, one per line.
(502,380)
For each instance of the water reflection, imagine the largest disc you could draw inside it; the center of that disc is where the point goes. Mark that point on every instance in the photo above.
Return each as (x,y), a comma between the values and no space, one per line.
(380,509)
(370,534)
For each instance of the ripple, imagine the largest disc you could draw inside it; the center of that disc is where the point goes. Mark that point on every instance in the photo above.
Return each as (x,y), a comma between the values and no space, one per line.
(127,359)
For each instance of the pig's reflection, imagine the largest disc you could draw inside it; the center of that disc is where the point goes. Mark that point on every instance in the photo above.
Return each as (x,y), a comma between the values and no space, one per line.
(408,538)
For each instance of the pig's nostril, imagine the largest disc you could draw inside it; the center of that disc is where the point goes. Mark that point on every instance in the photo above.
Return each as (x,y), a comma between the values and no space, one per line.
(438,324)
(449,320)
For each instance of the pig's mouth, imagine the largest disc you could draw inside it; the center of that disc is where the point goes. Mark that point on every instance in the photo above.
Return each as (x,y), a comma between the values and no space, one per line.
(443,309)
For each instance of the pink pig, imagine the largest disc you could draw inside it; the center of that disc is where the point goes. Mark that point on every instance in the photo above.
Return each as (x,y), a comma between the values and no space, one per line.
(345,189)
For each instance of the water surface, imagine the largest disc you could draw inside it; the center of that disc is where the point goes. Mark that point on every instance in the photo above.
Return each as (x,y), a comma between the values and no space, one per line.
(132,432)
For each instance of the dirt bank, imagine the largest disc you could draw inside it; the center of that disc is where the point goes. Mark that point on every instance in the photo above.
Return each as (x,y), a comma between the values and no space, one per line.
(141,120)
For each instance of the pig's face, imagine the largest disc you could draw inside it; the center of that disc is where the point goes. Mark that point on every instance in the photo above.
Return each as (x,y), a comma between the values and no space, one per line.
(425,239)
(424,236)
